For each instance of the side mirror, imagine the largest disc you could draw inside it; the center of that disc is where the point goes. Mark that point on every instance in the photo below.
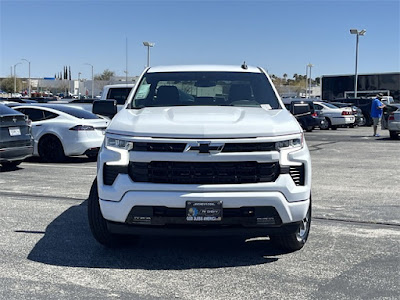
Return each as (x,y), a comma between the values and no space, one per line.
(300,109)
(106,108)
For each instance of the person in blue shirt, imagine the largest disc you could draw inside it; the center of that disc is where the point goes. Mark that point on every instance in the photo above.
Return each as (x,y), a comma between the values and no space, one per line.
(376,112)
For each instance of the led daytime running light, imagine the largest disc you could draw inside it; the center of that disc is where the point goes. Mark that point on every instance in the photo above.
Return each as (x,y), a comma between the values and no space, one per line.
(118,143)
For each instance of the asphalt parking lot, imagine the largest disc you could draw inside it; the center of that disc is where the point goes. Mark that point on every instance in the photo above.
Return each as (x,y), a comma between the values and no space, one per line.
(353,252)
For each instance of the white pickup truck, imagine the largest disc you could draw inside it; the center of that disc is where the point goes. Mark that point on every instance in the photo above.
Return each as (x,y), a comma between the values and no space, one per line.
(204,150)
(118,92)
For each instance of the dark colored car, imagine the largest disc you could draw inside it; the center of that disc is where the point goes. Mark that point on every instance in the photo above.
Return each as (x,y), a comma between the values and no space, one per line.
(16,141)
(309,120)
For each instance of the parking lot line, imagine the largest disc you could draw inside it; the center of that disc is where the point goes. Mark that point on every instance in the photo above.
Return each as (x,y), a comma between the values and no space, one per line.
(62,165)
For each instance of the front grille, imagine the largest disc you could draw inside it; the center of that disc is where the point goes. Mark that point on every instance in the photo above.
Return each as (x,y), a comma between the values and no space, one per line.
(180,147)
(297,173)
(203,172)
(159,147)
(248,147)
(15,144)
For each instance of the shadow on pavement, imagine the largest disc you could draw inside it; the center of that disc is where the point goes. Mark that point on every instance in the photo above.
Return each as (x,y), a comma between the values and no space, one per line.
(68,160)
(69,242)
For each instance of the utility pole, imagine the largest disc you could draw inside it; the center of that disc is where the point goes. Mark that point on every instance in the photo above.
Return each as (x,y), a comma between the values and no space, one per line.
(79,85)
(29,81)
(15,78)
(357,33)
(92,80)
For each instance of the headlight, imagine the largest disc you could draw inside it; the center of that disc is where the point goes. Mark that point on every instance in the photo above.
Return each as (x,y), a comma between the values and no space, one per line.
(292,143)
(118,143)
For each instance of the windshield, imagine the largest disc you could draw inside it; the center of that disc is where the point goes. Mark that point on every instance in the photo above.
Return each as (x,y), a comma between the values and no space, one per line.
(205,88)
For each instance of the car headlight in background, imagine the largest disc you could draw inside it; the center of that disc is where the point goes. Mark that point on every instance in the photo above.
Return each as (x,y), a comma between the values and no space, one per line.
(292,143)
(118,143)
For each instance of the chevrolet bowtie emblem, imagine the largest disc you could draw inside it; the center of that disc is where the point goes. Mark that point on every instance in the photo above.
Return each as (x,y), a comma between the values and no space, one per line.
(206,147)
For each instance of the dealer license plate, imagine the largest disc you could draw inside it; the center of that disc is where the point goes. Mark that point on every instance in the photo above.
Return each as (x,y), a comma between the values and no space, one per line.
(197,211)
(14,131)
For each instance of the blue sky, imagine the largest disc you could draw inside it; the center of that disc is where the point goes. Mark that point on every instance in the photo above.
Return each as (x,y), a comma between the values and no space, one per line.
(280,36)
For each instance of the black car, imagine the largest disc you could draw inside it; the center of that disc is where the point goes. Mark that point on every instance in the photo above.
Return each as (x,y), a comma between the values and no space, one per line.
(16,141)
(308,120)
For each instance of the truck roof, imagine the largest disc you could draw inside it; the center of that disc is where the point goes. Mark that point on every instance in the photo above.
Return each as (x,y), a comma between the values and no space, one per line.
(203,68)
(119,85)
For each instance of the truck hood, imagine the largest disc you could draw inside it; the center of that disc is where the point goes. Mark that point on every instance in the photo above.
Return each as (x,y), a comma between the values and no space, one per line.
(203,122)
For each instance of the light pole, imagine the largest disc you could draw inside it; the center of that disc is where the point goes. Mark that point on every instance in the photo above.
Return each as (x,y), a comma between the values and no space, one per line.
(148,45)
(79,85)
(357,33)
(15,78)
(92,79)
(306,79)
(310,80)
(29,72)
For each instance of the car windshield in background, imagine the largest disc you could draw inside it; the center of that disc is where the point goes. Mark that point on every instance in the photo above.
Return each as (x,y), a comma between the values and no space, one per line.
(119,94)
(76,112)
(205,88)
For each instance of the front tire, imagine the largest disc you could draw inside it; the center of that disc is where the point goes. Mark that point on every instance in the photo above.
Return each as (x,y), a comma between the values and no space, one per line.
(295,241)
(97,223)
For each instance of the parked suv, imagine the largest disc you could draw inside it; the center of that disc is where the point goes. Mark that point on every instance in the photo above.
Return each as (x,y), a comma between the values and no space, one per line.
(203,150)
(16,141)
(308,120)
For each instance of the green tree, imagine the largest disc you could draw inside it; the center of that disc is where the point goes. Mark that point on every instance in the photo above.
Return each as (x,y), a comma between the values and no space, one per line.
(7,84)
(106,75)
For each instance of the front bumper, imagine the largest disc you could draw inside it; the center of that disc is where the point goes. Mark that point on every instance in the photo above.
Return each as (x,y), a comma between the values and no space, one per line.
(288,211)
(290,200)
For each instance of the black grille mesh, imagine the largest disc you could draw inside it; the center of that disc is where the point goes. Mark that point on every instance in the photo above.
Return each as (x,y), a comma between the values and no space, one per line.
(203,172)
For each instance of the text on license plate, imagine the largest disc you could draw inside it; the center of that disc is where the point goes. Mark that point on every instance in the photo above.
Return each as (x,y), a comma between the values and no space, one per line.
(197,211)
(14,131)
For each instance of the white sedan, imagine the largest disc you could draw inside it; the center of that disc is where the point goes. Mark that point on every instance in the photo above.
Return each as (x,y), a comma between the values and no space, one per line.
(334,116)
(59,131)
(394,124)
